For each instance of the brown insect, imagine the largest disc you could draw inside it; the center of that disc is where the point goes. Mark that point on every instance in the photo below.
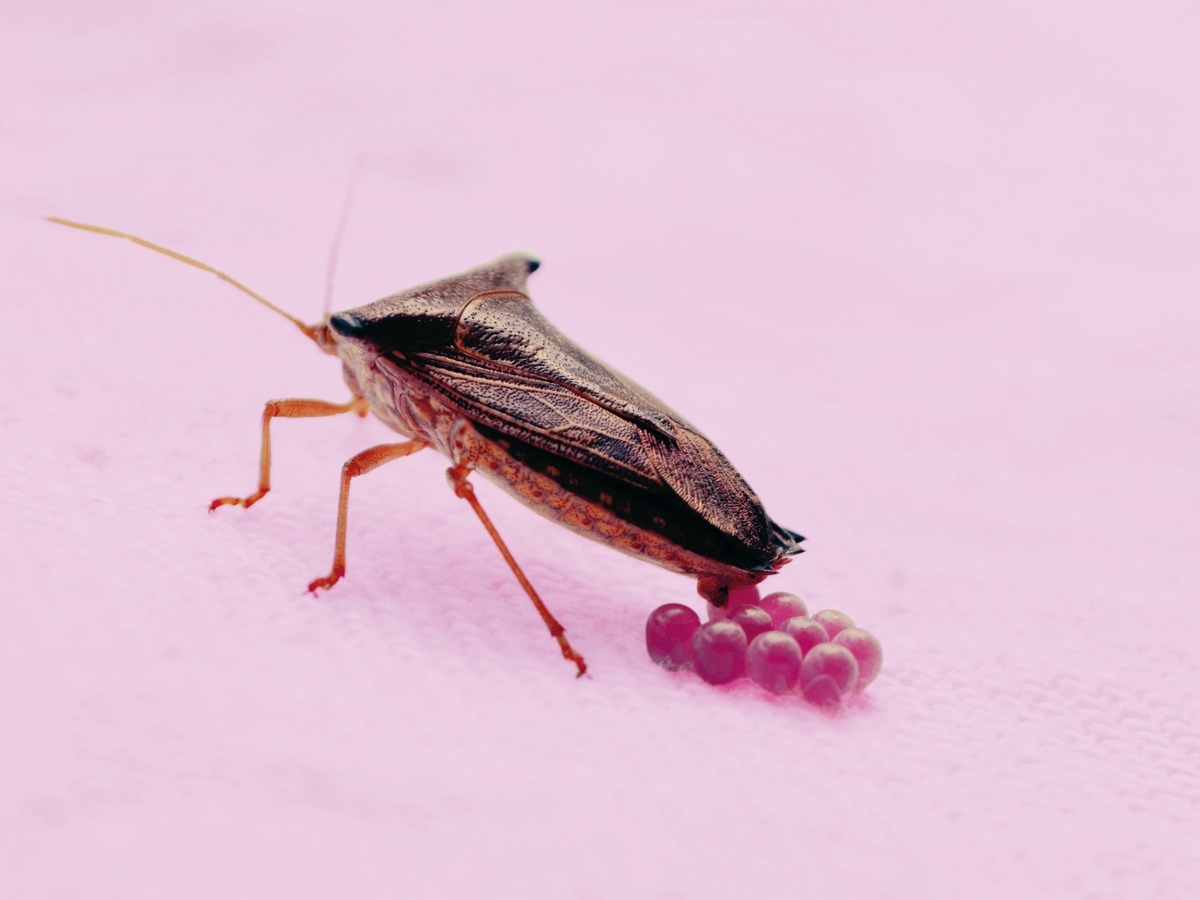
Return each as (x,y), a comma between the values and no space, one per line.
(468,366)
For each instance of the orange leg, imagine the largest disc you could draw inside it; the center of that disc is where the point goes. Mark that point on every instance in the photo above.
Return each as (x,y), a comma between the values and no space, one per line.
(286,409)
(458,480)
(359,464)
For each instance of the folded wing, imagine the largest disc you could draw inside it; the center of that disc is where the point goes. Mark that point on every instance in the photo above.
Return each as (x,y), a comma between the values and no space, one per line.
(512,370)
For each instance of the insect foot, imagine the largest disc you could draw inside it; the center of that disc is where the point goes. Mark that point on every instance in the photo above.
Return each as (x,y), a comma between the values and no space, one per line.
(326,581)
(237,501)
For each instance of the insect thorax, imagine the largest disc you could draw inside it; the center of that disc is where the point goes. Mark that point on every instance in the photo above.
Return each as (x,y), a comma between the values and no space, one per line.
(402,402)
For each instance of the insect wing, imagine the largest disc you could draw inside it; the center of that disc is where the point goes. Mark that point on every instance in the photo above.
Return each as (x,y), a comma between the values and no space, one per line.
(512,370)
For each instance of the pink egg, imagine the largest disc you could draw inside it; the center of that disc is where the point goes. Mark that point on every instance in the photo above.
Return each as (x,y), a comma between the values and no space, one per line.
(746,593)
(773,661)
(752,620)
(669,632)
(782,606)
(833,621)
(823,691)
(833,660)
(720,652)
(867,651)
(807,632)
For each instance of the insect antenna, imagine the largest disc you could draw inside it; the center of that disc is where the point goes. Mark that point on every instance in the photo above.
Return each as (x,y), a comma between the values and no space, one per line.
(309,331)
(338,232)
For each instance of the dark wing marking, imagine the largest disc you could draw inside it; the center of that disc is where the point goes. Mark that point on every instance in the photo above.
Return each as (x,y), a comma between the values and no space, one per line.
(517,373)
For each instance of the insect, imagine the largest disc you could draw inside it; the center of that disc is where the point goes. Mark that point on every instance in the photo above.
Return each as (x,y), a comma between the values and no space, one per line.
(467,366)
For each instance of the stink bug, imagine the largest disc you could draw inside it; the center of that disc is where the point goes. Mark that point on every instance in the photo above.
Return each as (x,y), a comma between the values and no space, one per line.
(468,366)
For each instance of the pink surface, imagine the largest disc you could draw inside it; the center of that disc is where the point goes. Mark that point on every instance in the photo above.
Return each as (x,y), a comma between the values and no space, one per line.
(926,272)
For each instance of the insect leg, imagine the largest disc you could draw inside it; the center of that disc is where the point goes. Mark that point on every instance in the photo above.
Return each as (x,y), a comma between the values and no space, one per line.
(359,464)
(286,409)
(463,488)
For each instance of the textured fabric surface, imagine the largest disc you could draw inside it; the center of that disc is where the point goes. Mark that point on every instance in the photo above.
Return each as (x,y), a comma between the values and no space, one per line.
(925,272)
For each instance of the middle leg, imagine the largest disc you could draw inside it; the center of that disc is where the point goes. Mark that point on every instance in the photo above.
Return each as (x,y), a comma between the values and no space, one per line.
(359,464)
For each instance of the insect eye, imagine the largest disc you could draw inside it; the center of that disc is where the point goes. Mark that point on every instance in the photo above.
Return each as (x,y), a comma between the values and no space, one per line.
(347,325)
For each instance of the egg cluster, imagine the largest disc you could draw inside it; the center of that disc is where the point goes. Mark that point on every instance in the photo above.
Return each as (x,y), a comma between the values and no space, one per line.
(774,641)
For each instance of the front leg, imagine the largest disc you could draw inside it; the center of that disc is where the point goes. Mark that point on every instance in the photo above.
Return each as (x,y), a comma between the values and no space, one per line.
(286,409)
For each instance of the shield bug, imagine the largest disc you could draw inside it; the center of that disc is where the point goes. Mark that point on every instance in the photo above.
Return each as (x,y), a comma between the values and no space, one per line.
(468,366)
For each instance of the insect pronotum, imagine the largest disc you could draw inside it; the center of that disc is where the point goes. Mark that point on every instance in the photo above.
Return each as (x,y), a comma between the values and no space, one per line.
(468,366)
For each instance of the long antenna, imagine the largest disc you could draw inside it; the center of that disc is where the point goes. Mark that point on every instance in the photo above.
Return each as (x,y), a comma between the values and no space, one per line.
(308,330)
(336,247)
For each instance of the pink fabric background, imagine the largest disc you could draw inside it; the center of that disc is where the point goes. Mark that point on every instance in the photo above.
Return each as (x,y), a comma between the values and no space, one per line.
(925,271)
